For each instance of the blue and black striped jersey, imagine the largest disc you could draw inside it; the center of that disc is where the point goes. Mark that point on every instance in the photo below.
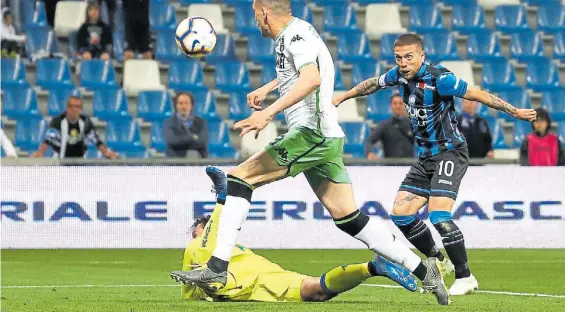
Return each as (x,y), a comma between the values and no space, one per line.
(428,98)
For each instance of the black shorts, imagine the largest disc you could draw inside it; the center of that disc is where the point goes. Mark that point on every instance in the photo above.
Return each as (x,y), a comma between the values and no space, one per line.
(438,175)
(137,37)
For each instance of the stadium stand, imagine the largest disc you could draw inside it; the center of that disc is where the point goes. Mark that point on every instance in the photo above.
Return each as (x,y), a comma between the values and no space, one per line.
(69,15)
(57,100)
(110,104)
(20,103)
(154,105)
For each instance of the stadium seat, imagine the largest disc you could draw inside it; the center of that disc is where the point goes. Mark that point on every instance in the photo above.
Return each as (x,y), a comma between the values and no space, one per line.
(29,133)
(69,16)
(57,100)
(369,2)
(521,129)
(497,133)
(98,74)
(189,2)
(425,18)
(141,153)
(354,48)
(211,12)
(41,41)
(154,105)
(53,73)
(458,2)
(387,47)
(19,103)
(157,138)
(118,40)
(340,18)
(205,105)
(468,18)
(355,134)
(302,11)
(462,69)
(378,105)
(561,132)
(72,46)
(245,20)
(554,101)
(219,145)
(551,17)
(365,71)
(498,76)
(123,135)
(141,75)
(268,73)
(224,50)
(110,104)
(232,77)
(526,46)
(35,16)
(166,47)
(441,46)
(518,97)
(237,2)
(251,145)
(484,46)
(559,46)
(538,2)
(385,18)
(237,106)
(260,49)
(162,16)
(338,80)
(328,2)
(347,111)
(13,73)
(186,75)
(492,4)
(511,18)
(542,75)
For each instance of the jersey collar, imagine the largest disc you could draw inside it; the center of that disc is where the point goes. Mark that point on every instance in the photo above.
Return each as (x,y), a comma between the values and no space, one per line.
(284,28)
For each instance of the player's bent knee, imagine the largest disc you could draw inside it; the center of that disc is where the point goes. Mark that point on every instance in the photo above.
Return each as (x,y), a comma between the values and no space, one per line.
(407,204)
(311,291)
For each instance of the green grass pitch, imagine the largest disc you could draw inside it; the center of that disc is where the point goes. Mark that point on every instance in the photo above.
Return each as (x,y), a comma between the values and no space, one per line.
(138,280)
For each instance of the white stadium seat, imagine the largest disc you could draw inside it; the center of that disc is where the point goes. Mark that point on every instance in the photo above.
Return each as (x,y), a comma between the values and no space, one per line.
(69,16)
(347,111)
(489,5)
(382,18)
(250,145)
(141,75)
(461,69)
(212,12)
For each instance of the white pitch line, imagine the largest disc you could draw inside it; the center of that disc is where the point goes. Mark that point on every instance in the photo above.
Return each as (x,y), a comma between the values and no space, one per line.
(507,293)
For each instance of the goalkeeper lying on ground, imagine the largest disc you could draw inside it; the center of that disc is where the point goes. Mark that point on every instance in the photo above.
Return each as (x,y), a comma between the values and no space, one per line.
(254,278)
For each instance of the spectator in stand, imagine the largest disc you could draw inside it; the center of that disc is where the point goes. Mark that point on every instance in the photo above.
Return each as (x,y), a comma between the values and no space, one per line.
(395,134)
(94,38)
(111,5)
(184,131)
(7,145)
(70,132)
(136,18)
(12,43)
(476,131)
(541,148)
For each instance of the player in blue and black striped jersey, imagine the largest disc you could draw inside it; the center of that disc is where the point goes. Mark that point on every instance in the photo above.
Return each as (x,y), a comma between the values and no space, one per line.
(428,91)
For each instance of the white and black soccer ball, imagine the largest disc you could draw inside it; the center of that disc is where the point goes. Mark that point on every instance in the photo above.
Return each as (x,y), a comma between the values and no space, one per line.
(195,36)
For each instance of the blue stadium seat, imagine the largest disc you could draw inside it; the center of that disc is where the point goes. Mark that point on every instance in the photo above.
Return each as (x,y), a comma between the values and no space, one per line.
(141,153)
(118,40)
(559,46)
(414,2)
(561,132)
(365,71)
(162,16)
(340,18)
(551,17)
(554,101)
(73,46)
(521,129)
(205,105)
(367,2)
(498,75)
(441,46)
(57,100)
(110,104)
(29,133)
(302,11)
(497,133)
(157,138)
(232,77)
(268,73)
(123,135)
(186,75)
(328,2)
(387,47)
(98,74)
(484,46)
(425,18)
(237,2)
(36,17)
(166,47)
(378,105)
(224,50)
(526,46)
(518,97)
(238,108)
(20,103)
(457,2)
(154,105)
(511,18)
(355,134)
(40,40)
(542,75)
(245,20)
(468,18)
(189,2)
(354,48)
(260,49)
(338,80)
(53,73)
(219,145)
(539,2)
(13,73)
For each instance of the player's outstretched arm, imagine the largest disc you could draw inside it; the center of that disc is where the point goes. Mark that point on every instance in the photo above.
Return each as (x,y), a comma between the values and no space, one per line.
(255,98)
(491,100)
(366,87)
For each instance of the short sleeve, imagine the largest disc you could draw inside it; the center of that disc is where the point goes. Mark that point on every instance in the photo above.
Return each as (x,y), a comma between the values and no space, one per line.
(303,49)
(449,84)
(390,78)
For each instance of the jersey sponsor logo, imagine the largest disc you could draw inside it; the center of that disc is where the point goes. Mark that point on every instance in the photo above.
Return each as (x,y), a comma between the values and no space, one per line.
(421,85)
(442,181)
(296,38)
(419,116)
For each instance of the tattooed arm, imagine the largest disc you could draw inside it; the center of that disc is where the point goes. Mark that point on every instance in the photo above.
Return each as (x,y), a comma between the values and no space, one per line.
(366,87)
(491,100)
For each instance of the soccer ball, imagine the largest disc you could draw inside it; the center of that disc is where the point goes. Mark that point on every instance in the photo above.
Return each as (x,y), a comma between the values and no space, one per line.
(195,36)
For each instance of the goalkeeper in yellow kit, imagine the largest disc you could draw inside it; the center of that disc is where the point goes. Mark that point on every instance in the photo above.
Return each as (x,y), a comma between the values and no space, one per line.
(254,278)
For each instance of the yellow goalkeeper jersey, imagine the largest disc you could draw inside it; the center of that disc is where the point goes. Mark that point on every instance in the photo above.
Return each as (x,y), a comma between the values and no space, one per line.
(250,276)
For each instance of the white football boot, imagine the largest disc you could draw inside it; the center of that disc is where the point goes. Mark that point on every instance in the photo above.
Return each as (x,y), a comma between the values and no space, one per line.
(463,286)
